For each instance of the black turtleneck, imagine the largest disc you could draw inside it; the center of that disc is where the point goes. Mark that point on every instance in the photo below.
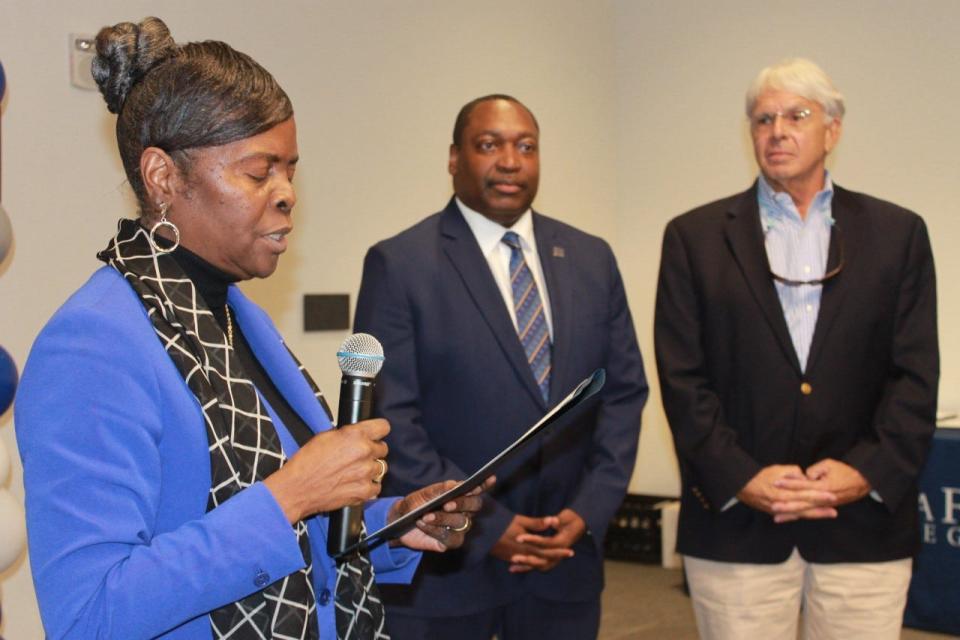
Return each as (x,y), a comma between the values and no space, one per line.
(212,285)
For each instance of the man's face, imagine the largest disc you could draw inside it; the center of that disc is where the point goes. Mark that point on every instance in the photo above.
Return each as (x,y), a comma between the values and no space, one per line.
(791,139)
(496,163)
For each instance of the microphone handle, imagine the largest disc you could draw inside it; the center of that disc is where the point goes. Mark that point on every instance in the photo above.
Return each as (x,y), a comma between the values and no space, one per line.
(356,405)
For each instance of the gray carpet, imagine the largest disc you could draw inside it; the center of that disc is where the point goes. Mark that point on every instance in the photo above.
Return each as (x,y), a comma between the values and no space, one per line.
(645,602)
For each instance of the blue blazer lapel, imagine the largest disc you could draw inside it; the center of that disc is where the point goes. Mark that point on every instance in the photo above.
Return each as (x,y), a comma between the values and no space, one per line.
(745,239)
(462,249)
(272,353)
(553,260)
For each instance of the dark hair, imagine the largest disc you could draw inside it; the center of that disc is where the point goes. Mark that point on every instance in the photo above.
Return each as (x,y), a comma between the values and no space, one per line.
(180,97)
(464,116)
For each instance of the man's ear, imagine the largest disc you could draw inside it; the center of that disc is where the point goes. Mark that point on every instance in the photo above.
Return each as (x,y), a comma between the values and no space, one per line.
(159,174)
(452,161)
(834,129)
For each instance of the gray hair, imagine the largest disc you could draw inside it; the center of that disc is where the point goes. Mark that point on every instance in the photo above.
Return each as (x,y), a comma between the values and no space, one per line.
(801,77)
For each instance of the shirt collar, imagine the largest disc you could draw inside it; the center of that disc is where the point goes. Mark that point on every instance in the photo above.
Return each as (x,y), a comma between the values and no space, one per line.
(778,207)
(489,233)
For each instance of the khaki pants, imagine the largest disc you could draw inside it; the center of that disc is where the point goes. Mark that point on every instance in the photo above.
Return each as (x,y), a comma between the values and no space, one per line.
(848,601)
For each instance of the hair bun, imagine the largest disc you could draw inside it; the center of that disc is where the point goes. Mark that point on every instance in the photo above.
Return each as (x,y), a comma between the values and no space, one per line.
(125,53)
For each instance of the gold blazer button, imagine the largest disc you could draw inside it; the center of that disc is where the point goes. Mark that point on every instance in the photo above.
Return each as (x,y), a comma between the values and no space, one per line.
(805,388)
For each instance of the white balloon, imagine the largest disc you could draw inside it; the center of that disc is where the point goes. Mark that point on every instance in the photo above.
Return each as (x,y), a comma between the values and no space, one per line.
(13,532)
(4,464)
(6,233)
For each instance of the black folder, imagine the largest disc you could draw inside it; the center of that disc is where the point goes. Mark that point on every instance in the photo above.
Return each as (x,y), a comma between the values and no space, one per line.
(587,388)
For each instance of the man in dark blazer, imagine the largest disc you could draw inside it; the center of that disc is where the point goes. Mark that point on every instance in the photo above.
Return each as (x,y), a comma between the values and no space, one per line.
(463,378)
(796,344)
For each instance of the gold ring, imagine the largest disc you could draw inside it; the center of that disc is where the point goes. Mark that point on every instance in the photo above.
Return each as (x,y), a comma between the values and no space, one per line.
(463,527)
(383,470)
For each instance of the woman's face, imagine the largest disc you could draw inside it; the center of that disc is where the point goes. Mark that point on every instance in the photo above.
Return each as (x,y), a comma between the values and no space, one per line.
(233,207)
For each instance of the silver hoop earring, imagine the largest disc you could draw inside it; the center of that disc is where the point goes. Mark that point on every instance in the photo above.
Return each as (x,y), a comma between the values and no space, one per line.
(164,223)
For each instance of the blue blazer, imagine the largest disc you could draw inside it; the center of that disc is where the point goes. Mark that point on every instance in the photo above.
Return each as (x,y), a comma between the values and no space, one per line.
(457,388)
(117,472)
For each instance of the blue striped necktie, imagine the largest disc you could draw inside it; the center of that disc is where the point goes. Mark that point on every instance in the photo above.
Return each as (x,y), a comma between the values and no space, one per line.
(531,316)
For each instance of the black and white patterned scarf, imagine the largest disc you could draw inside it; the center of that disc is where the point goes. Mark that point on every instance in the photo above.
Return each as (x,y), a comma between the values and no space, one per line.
(244,446)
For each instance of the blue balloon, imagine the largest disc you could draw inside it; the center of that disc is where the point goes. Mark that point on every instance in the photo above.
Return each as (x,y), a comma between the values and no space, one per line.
(3,85)
(8,381)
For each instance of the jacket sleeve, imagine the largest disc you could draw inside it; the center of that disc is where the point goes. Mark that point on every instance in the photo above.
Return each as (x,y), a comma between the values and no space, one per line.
(385,311)
(893,455)
(91,420)
(714,465)
(617,431)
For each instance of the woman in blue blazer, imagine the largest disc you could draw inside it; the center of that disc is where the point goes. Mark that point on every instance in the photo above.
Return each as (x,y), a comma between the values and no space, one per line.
(178,461)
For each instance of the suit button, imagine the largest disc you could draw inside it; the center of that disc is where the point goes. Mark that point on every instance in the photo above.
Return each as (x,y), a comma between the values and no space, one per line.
(324,597)
(805,388)
(262,579)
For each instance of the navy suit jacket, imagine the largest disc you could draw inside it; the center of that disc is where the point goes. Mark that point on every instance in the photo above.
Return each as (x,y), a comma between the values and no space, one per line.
(456,388)
(737,400)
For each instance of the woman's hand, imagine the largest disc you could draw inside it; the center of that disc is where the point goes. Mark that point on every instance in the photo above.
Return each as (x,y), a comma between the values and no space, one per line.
(334,469)
(445,528)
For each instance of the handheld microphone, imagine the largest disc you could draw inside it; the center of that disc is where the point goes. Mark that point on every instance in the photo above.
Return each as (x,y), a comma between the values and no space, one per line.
(360,358)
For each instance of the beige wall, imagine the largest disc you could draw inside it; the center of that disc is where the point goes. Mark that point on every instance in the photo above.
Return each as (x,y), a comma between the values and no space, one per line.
(639,104)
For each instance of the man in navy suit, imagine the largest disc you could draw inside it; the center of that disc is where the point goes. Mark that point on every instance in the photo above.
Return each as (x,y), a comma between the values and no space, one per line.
(489,313)
(796,339)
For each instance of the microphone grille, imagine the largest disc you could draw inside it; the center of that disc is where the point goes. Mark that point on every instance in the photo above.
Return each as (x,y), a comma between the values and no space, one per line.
(360,355)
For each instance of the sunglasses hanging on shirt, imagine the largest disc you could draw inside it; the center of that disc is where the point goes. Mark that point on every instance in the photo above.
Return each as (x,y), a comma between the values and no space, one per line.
(829,275)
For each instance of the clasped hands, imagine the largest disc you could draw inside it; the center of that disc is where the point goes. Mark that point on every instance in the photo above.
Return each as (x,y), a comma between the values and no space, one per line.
(528,543)
(789,493)
(344,466)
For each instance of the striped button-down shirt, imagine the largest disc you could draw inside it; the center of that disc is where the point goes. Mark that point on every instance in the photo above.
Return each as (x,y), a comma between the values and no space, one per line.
(797,249)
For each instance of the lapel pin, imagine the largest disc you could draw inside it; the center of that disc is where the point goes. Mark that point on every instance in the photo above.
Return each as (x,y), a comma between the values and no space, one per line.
(559,252)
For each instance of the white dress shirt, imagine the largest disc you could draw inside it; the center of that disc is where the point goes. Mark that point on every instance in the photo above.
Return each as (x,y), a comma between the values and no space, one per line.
(489,235)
